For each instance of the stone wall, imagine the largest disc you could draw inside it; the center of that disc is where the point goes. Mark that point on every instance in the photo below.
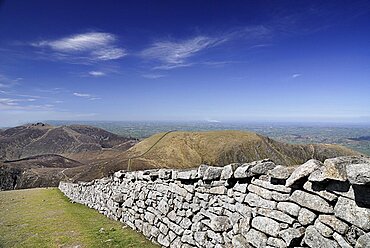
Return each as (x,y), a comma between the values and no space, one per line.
(256,204)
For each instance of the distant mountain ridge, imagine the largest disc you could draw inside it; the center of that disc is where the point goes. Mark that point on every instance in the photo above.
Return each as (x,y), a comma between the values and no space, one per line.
(37,139)
(38,155)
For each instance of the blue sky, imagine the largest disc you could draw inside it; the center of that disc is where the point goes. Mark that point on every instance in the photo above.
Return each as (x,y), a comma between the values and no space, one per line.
(184,60)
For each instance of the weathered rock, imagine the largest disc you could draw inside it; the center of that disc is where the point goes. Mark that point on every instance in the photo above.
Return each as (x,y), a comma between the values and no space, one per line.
(358,173)
(220,223)
(281,172)
(303,170)
(240,187)
(267,194)
(313,202)
(363,241)
(239,241)
(176,243)
(320,190)
(289,208)
(353,234)
(154,231)
(256,201)
(200,237)
(243,209)
(215,237)
(163,228)
(243,171)
(266,225)
(341,241)
(178,190)
(244,225)
(262,167)
(314,239)
(163,207)
(201,169)
(333,222)
(173,226)
(186,175)
(164,173)
(291,235)
(120,198)
(185,223)
(228,171)
(149,217)
(268,185)
(212,173)
(276,242)
(348,210)
(323,229)
(187,237)
(335,169)
(256,238)
(163,240)
(306,217)
(276,215)
(119,174)
(221,190)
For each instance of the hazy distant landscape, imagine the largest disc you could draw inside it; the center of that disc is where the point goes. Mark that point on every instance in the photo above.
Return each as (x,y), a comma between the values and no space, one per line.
(354,136)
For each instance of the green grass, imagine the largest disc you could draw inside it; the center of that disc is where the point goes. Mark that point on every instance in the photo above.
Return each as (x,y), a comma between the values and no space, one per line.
(45,218)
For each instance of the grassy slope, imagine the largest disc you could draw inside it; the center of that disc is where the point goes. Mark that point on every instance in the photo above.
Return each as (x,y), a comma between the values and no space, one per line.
(189,149)
(45,218)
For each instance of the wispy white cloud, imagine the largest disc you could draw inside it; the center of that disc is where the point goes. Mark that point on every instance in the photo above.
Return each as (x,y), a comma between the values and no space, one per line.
(79,42)
(86,95)
(176,53)
(96,73)
(91,46)
(6,82)
(109,53)
(81,94)
(22,104)
(260,46)
(17,94)
(295,75)
(53,91)
(153,76)
(171,66)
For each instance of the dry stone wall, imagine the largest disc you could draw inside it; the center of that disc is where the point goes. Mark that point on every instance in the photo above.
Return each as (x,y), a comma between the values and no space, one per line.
(256,204)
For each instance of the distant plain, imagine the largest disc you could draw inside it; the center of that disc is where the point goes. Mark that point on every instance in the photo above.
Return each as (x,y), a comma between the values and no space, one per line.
(350,135)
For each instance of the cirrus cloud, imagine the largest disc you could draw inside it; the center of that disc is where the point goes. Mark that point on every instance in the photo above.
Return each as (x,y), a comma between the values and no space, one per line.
(295,75)
(177,53)
(86,95)
(172,52)
(96,73)
(84,47)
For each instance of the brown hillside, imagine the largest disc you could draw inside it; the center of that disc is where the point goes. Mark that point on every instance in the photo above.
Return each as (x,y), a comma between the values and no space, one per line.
(38,139)
(188,149)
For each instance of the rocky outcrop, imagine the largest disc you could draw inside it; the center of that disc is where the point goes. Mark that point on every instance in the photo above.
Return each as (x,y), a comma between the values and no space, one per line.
(254,204)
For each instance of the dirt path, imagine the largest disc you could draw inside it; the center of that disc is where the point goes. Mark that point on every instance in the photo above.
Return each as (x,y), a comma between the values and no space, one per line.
(45,218)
